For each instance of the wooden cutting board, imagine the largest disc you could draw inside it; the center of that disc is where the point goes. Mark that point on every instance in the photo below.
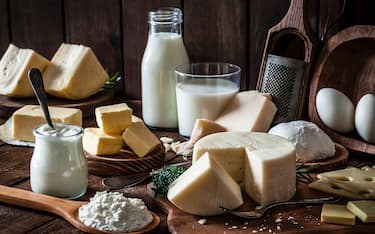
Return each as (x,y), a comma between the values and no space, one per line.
(8,105)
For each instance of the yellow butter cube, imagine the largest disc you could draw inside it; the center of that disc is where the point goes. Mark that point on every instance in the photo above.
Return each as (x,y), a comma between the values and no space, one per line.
(114,119)
(98,143)
(338,214)
(364,210)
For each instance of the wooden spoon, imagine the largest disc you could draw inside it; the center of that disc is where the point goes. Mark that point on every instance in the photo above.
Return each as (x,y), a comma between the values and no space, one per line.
(66,209)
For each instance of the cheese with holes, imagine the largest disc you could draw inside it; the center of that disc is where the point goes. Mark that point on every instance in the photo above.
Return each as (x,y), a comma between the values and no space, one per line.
(204,188)
(24,120)
(114,119)
(140,139)
(74,73)
(248,111)
(364,210)
(263,163)
(14,66)
(337,214)
(204,127)
(96,142)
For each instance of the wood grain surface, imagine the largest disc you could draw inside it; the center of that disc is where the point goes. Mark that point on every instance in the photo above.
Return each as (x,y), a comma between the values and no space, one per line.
(4,29)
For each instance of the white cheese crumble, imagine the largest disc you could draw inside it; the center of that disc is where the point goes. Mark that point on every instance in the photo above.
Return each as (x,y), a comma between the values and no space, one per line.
(111,211)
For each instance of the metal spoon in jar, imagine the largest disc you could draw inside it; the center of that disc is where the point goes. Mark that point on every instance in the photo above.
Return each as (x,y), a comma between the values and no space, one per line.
(36,80)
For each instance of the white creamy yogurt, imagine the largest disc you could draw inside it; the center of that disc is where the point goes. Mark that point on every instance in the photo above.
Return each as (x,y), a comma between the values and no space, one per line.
(111,211)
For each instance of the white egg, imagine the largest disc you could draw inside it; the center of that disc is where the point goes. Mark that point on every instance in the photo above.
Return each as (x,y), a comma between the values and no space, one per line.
(365,118)
(335,110)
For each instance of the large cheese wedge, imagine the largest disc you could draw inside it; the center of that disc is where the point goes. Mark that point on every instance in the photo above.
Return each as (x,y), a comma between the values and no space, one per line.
(204,127)
(74,73)
(114,119)
(204,188)
(24,120)
(98,143)
(263,163)
(14,66)
(248,111)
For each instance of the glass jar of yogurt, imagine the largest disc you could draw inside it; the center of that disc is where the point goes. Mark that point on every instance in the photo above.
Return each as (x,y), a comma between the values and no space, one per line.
(58,166)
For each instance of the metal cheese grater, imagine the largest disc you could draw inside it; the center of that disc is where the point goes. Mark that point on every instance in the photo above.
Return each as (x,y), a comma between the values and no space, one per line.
(284,79)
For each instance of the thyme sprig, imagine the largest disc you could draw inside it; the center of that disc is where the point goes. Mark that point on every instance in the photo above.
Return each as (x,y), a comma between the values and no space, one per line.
(165,177)
(303,172)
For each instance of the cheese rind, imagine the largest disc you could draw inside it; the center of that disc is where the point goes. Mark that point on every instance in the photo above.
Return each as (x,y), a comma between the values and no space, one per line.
(114,119)
(204,127)
(248,111)
(14,66)
(24,120)
(364,210)
(204,188)
(74,73)
(97,142)
(338,214)
(140,139)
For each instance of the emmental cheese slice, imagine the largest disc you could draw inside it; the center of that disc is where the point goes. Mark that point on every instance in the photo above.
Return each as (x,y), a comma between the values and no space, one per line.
(114,119)
(364,210)
(204,127)
(248,111)
(98,143)
(14,66)
(264,164)
(204,188)
(28,117)
(74,73)
(338,214)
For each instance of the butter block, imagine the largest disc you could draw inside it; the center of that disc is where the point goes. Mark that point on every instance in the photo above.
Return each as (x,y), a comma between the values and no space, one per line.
(204,187)
(97,142)
(364,210)
(24,120)
(74,73)
(204,127)
(114,119)
(248,111)
(14,66)
(337,214)
(140,139)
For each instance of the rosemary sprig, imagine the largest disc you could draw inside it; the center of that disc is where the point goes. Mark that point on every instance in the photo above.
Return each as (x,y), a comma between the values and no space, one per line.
(303,172)
(165,177)
(113,82)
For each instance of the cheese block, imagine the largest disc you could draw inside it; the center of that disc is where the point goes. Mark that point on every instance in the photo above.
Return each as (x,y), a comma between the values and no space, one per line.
(337,214)
(136,119)
(14,66)
(248,111)
(96,142)
(24,120)
(204,127)
(334,190)
(140,139)
(364,210)
(114,119)
(204,188)
(74,73)
(263,163)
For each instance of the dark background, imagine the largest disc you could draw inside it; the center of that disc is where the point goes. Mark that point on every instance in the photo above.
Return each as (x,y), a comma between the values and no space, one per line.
(214,30)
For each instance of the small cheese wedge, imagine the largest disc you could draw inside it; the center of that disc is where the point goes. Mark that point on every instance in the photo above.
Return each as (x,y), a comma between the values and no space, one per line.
(204,127)
(136,119)
(96,142)
(364,210)
(14,66)
(337,214)
(74,73)
(140,139)
(114,119)
(204,188)
(248,111)
(24,120)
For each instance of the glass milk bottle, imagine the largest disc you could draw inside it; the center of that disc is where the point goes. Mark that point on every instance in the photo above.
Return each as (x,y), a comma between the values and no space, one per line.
(164,51)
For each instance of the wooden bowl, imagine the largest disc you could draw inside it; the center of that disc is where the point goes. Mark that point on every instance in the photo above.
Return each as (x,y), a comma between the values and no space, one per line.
(346,63)
(125,163)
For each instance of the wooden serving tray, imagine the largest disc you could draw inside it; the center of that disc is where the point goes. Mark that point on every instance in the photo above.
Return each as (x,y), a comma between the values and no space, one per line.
(346,63)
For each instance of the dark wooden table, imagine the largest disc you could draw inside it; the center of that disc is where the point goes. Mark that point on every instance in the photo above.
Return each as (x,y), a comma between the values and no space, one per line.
(14,172)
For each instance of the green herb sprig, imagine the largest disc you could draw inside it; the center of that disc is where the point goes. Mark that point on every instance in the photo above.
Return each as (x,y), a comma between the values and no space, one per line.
(113,82)
(303,172)
(165,177)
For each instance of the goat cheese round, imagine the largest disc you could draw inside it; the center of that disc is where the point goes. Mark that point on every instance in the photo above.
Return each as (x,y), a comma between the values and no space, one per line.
(312,143)
(111,211)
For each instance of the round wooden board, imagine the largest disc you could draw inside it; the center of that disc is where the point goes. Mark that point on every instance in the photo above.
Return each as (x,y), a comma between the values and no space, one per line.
(8,105)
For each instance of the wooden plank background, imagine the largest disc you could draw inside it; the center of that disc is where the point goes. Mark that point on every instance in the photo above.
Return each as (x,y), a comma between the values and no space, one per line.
(214,30)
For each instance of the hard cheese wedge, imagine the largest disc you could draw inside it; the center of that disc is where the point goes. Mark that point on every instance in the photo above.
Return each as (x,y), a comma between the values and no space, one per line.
(264,163)
(114,119)
(364,210)
(28,117)
(14,66)
(338,214)
(74,73)
(140,139)
(204,187)
(136,119)
(248,111)
(98,143)
(204,127)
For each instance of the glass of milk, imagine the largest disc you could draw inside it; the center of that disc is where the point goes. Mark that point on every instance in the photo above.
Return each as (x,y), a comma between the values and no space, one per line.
(58,166)
(202,91)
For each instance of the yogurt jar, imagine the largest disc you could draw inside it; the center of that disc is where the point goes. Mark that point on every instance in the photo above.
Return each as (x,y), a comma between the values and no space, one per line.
(58,166)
